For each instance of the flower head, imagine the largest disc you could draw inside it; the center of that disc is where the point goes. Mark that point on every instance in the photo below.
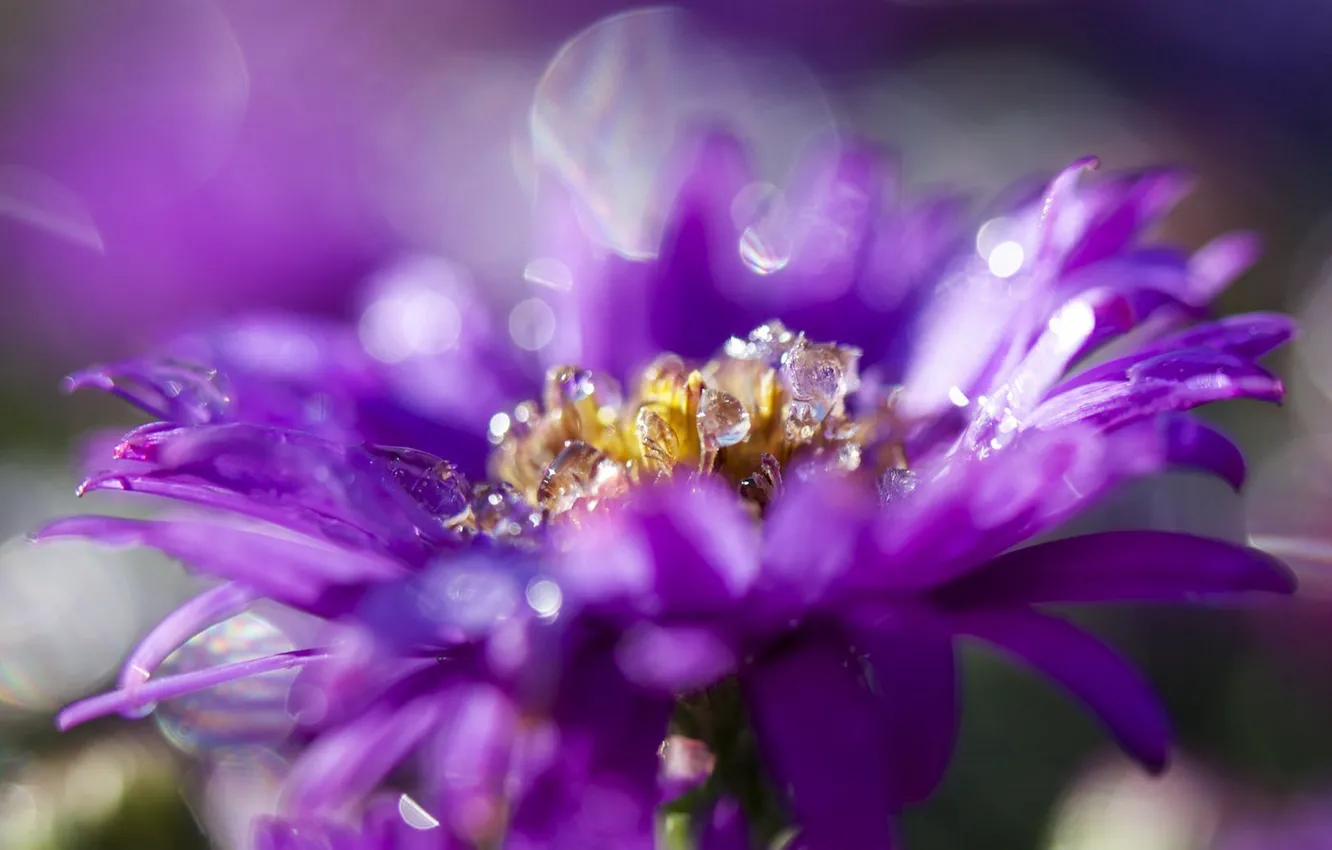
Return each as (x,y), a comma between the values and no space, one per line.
(769,551)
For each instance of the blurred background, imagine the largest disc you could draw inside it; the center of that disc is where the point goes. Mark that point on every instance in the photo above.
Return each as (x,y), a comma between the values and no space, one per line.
(167,161)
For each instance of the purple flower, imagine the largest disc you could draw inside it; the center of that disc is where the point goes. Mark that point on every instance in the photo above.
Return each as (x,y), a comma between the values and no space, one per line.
(768,553)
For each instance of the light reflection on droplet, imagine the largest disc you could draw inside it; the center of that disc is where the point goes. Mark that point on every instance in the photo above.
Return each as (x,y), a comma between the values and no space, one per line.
(1006,259)
(545,597)
(532,324)
(499,426)
(957,397)
(547,271)
(38,201)
(414,310)
(251,710)
(1073,323)
(618,97)
(414,815)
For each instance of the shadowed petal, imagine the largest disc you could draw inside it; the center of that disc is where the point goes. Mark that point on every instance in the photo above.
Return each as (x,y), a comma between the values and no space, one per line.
(1121,566)
(467,760)
(674,550)
(823,739)
(915,673)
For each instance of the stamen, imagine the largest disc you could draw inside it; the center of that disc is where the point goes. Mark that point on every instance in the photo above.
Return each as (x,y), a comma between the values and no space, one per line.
(772,399)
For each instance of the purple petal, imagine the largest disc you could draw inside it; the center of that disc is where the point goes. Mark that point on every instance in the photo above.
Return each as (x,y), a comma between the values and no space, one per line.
(350,761)
(974,507)
(674,659)
(1166,383)
(203,611)
(1215,265)
(1122,208)
(1247,337)
(823,739)
(916,673)
(1188,442)
(468,758)
(134,699)
(809,540)
(286,477)
(177,392)
(1121,566)
(300,572)
(1086,668)
(679,550)
(1063,212)
(594,776)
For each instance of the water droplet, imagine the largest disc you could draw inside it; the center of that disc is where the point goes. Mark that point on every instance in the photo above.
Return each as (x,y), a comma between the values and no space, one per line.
(435,484)
(896,484)
(498,428)
(245,711)
(579,472)
(500,512)
(545,598)
(414,815)
(722,419)
(547,271)
(1006,259)
(815,377)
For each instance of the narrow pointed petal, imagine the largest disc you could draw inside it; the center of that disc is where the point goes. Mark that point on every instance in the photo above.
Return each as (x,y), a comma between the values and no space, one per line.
(1215,265)
(1246,337)
(1121,566)
(1088,669)
(1166,383)
(202,612)
(173,391)
(170,687)
(1189,442)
